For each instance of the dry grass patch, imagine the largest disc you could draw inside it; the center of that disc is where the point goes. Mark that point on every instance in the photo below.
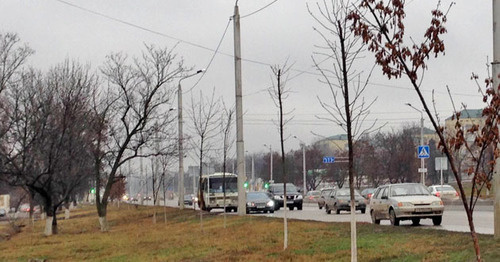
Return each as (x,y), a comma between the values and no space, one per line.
(134,237)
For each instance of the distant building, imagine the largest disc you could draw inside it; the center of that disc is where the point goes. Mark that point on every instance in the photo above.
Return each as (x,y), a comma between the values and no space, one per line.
(468,118)
(334,143)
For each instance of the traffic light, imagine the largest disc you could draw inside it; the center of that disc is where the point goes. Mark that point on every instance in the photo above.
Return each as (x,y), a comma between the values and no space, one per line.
(266,185)
(92,190)
(245,184)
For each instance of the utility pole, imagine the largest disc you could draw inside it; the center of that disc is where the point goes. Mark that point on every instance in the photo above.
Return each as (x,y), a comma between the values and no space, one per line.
(496,71)
(240,148)
(270,164)
(181,139)
(303,145)
(422,163)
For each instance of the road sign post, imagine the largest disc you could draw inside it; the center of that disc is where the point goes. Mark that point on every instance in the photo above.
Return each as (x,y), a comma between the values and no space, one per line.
(423,153)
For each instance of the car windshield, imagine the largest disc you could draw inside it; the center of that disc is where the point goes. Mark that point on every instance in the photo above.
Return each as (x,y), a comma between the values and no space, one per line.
(409,190)
(257,196)
(445,188)
(313,193)
(347,192)
(289,188)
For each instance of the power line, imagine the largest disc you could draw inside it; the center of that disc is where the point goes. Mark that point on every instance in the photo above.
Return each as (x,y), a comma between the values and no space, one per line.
(213,56)
(216,51)
(258,10)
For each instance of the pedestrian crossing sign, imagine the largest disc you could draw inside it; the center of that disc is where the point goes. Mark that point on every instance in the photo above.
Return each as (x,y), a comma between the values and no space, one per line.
(423,151)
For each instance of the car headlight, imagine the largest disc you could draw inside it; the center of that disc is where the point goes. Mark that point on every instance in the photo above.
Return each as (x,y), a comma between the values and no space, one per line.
(270,203)
(437,203)
(299,197)
(250,204)
(405,204)
(277,197)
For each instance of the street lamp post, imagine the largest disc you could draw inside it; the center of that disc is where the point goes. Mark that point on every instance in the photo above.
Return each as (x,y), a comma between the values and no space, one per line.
(303,145)
(181,153)
(422,164)
(271,163)
(252,186)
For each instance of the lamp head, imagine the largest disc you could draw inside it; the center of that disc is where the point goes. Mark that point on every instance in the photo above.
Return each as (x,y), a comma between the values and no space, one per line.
(201,70)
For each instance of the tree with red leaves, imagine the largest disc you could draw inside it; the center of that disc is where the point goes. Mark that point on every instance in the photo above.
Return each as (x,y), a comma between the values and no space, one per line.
(381,26)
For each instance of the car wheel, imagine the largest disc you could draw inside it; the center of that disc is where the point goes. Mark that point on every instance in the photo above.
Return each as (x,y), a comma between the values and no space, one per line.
(337,210)
(392,217)
(248,211)
(415,221)
(299,207)
(437,220)
(208,209)
(265,211)
(363,211)
(320,206)
(271,211)
(291,207)
(374,220)
(327,209)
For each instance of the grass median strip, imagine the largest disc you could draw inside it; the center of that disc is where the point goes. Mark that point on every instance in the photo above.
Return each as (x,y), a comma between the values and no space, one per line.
(134,237)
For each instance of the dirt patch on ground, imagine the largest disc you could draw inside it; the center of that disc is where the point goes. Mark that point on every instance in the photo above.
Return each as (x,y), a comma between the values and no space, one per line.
(8,230)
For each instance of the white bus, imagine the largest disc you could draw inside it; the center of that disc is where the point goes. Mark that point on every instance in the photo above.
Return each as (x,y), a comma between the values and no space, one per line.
(213,193)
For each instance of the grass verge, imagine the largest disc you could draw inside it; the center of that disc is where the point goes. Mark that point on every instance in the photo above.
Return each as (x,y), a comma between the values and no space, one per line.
(134,237)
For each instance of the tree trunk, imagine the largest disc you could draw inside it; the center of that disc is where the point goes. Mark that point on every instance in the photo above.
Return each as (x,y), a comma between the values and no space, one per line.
(104,224)
(54,222)
(66,213)
(48,225)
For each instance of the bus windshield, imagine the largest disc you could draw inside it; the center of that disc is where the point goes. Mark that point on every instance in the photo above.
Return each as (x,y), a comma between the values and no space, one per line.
(216,185)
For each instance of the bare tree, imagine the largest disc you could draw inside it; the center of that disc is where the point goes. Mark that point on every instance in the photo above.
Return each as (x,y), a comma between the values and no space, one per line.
(129,112)
(47,147)
(226,121)
(348,108)
(279,93)
(381,26)
(205,123)
(13,55)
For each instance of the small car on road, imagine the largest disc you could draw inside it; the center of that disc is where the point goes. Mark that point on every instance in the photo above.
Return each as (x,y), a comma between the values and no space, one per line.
(340,199)
(293,200)
(188,199)
(444,192)
(312,196)
(259,201)
(408,201)
(367,192)
(323,195)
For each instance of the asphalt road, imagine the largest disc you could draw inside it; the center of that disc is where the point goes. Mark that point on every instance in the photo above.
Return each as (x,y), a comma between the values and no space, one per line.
(454,218)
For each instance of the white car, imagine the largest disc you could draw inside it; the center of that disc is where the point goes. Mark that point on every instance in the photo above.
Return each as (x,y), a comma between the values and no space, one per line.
(410,201)
(444,192)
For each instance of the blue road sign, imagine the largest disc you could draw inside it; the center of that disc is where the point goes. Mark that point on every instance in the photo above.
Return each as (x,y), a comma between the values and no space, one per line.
(423,151)
(328,159)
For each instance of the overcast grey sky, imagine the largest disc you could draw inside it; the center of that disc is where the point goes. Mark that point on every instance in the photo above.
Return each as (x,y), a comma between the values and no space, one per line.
(58,30)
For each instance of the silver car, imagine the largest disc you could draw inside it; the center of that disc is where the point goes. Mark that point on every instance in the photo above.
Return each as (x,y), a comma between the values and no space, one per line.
(409,201)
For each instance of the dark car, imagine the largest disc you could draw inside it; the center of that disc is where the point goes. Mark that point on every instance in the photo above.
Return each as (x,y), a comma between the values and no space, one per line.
(323,195)
(293,196)
(340,199)
(188,199)
(259,201)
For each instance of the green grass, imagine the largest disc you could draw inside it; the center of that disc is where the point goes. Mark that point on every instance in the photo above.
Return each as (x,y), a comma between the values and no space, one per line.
(134,237)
